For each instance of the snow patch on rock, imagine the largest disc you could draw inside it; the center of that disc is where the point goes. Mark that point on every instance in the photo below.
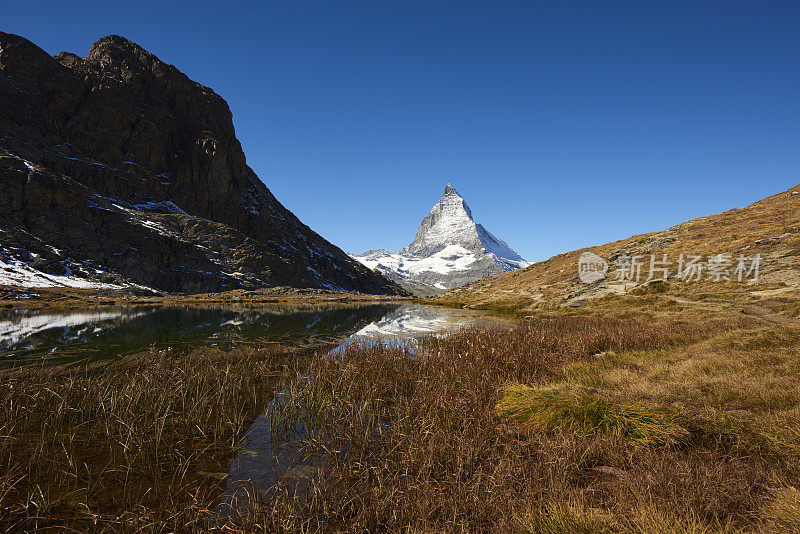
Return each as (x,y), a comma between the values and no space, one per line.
(17,273)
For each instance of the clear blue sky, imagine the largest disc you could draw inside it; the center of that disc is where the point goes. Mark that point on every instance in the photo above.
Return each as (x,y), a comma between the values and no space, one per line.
(563,124)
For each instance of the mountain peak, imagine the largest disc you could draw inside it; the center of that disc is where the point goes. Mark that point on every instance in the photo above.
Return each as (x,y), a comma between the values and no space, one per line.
(449,249)
(450,223)
(113,49)
(141,158)
(450,190)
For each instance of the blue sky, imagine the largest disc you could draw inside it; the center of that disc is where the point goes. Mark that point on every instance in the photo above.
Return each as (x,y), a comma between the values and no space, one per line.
(563,124)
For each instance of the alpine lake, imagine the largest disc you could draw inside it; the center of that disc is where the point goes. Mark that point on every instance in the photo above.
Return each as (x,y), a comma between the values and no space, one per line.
(69,336)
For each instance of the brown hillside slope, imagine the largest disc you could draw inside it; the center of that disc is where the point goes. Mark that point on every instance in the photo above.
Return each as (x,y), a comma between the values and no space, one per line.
(769,227)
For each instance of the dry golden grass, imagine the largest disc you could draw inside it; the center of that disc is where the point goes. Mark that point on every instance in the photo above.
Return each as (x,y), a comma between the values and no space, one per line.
(423,447)
(746,379)
(782,512)
(576,518)
(770,227)
(141,443)
(611,418)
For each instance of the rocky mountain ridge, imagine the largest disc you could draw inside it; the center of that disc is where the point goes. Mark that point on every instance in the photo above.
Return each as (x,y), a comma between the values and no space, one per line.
(119,170)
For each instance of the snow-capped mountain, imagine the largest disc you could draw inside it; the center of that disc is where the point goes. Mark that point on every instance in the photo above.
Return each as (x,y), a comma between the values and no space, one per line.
(449,250)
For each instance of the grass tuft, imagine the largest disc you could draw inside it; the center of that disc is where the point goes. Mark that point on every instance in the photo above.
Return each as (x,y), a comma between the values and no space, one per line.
(588,414)
(782,514)
(565,518)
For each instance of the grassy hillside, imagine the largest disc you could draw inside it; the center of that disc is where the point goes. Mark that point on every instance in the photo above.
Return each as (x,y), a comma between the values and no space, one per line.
(770,227)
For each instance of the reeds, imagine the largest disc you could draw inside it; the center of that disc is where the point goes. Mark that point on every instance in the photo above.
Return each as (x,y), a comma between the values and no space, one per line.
(392,440)
(414,442)
(131,444)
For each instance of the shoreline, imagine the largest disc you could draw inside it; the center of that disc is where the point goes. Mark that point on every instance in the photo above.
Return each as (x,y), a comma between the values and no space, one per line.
(14,297)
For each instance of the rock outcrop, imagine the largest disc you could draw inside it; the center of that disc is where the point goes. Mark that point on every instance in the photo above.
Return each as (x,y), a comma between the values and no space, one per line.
(118,167)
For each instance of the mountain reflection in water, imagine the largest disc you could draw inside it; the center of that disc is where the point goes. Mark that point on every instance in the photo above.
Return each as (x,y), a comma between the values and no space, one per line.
(269,456)
(111,331)
(114,330)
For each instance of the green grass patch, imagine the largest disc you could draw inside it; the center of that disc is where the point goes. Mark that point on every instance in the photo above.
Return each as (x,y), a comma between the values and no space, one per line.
(584,413)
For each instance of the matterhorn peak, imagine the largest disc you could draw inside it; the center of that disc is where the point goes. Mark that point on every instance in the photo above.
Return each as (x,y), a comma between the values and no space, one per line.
(450,190)
(449,250)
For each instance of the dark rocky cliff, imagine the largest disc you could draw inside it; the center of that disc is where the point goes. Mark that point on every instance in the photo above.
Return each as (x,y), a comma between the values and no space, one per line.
(119,161)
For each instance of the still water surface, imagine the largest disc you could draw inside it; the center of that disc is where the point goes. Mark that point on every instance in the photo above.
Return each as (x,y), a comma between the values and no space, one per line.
(111,331)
